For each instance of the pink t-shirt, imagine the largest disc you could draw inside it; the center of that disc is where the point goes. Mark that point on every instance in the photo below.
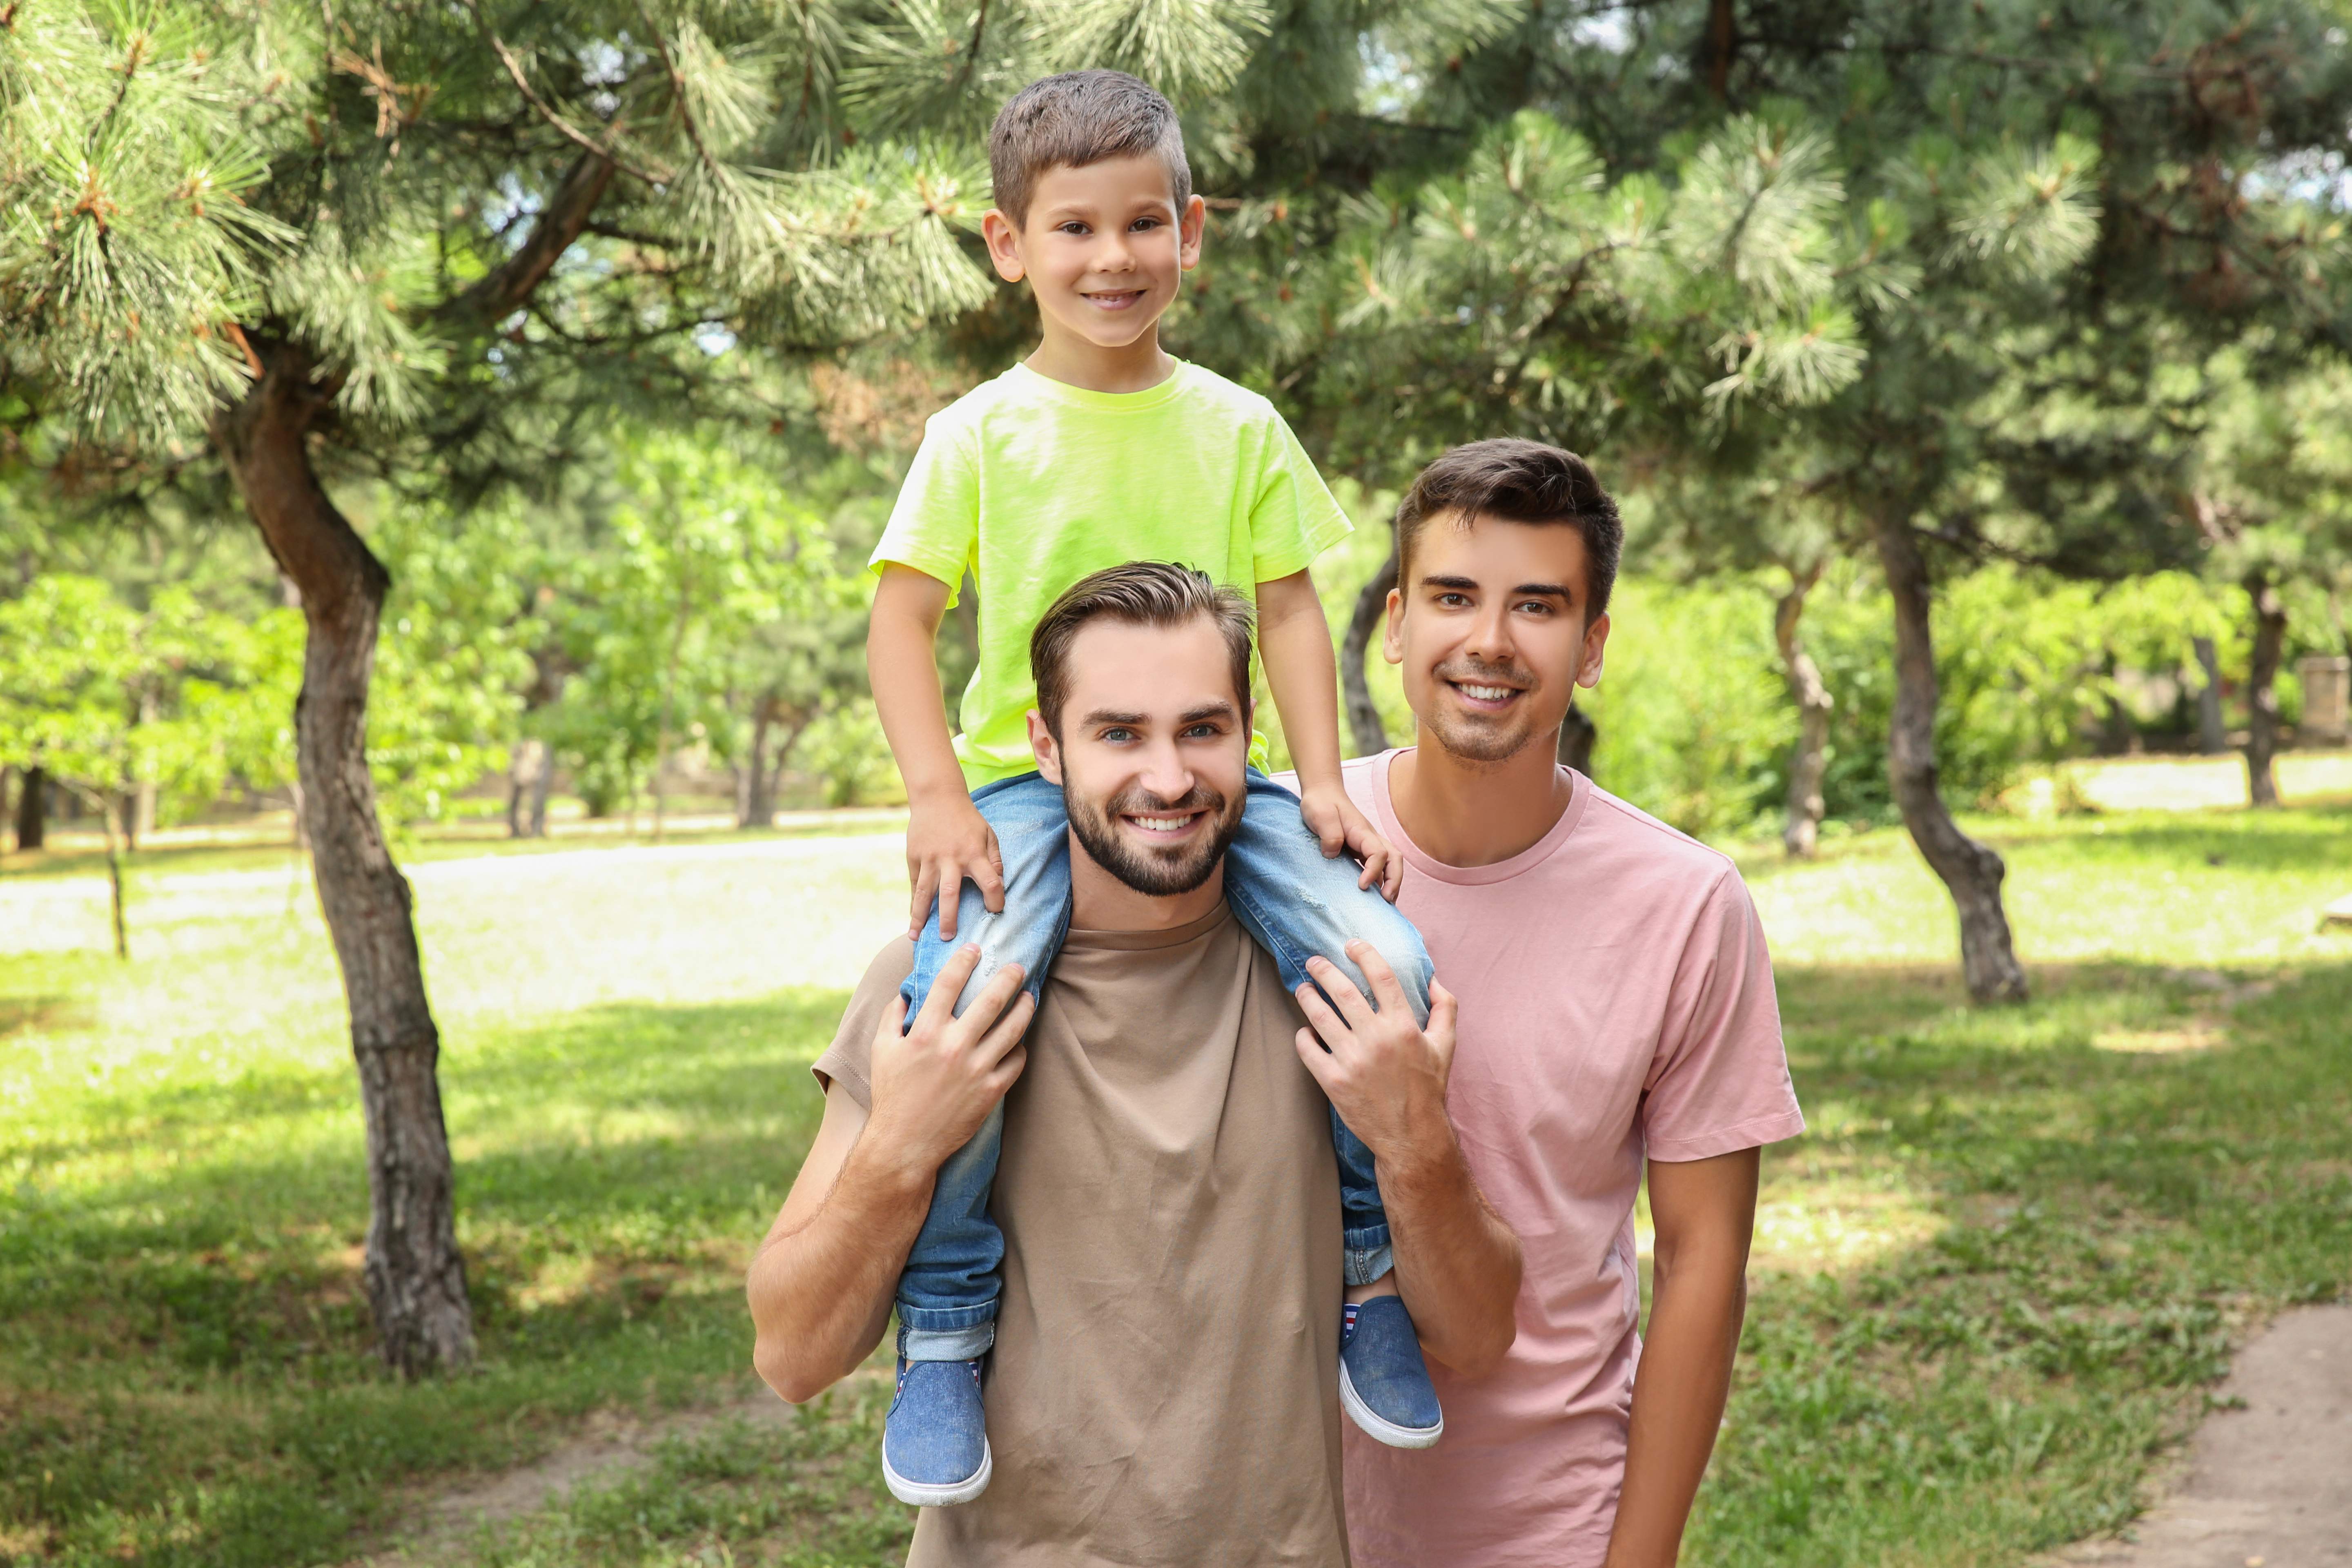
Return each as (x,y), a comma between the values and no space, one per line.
(1616,1005)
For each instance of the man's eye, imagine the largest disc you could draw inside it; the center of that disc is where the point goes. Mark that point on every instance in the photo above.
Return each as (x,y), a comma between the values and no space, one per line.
(1536,606)
(1453,601)
(1204,731)
(1117,736)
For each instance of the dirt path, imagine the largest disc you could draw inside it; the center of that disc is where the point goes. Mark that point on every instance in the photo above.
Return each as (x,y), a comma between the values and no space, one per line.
(440,1530)
(2268,1484)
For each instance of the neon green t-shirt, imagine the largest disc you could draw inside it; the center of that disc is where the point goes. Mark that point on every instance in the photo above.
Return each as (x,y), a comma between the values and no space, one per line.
(1031,484)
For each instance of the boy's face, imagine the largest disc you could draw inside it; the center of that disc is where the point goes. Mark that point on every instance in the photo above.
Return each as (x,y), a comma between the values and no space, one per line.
(1103,248)
(1490,632)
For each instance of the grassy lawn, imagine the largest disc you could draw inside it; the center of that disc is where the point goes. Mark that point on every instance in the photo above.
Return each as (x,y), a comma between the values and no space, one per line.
(1992,1283)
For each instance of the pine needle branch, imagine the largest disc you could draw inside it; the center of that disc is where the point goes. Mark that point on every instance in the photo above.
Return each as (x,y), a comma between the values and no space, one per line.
(547,111)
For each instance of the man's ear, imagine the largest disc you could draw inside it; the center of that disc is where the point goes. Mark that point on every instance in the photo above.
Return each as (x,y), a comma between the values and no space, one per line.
(1596,638)
(1392,639)
(1044,748)
(1003,245)
(1190,226)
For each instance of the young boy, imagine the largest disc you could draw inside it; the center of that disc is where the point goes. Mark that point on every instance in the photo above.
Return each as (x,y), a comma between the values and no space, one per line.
(1100,449)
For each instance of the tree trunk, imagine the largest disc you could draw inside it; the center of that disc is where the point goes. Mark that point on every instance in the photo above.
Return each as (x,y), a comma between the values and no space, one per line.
(1802,833)
(1363,717)
(754,797)
(527,789)
(140,821)
(32,818)
(1971,872)
(668,702)
(2261,689)
(108,815)
(415,1279)
(1578,735)
(542,784)
(2212,739)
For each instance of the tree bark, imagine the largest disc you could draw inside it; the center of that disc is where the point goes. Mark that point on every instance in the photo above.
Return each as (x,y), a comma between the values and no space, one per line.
(2261,689)
(1971,872)
(1371,605)
(31,810)
(542,784)
(754,799)
(2212,739)
(1578,735)
(416,1279)
(1722,47)
(1800,836)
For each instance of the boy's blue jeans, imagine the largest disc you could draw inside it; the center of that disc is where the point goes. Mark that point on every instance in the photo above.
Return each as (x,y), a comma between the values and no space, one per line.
(1292,899)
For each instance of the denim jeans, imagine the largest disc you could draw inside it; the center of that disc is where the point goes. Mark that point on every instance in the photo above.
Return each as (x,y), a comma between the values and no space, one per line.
(1286,894)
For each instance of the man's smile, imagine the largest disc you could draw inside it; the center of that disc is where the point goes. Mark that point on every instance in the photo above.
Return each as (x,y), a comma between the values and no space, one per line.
(1483,698)
(1163,825)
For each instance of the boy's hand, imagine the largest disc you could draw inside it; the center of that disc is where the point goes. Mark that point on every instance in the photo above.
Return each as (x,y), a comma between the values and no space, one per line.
(1335,819)
(948,842)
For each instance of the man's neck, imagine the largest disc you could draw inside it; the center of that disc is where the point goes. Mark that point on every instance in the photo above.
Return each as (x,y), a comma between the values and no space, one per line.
(1100,901)
(1462,813)
(1072,361)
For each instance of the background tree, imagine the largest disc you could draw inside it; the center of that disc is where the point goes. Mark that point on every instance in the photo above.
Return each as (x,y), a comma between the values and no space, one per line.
(328,240)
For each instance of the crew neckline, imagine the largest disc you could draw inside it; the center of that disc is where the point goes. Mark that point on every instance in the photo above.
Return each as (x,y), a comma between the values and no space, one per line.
(1148,940)
(1109,401)
(1527,859)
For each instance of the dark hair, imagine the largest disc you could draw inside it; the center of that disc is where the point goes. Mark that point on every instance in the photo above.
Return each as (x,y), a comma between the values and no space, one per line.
(1080,118)
(1139,593)
(1517,481)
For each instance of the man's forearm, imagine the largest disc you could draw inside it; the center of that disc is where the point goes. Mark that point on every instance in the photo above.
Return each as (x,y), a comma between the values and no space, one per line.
(1704,1211)
(1457,1263)
(821,1293)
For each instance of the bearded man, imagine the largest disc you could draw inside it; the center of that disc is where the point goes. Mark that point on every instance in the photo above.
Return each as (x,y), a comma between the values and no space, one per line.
(1164,1385)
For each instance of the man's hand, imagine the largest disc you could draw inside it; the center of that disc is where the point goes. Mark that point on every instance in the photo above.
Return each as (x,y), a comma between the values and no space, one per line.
(948,842)
(934,1085)
(1339,824)
(1384,1075)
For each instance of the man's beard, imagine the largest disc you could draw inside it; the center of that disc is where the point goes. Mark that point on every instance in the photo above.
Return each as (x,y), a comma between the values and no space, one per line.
(1159,873)
(1479,737)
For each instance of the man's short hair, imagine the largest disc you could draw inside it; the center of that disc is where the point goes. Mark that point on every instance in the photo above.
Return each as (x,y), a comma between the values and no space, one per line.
(1517,481)
(1139,593)
(1080,118)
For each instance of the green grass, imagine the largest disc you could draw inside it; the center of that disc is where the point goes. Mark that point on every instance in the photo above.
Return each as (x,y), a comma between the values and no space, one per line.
(1994,1281)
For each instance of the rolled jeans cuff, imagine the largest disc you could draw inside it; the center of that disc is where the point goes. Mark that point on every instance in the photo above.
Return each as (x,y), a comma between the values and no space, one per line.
(1368,1254)
(966,1343)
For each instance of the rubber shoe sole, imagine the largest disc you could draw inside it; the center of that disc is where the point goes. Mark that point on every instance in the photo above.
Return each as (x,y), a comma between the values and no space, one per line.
(918,1494)
(1379,1428)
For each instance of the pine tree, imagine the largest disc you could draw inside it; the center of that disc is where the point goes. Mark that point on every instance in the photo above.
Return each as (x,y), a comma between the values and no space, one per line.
(444,245)
(2030,221)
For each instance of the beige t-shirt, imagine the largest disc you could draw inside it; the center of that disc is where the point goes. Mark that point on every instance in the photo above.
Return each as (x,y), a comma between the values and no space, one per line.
(1165,1384)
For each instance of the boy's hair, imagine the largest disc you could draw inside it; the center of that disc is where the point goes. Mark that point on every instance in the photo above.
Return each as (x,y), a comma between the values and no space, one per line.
(1517,481)
(1139,593)
(1080,118)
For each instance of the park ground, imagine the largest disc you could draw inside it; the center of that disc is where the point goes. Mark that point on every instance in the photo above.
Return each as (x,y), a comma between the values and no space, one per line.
(1995,1284)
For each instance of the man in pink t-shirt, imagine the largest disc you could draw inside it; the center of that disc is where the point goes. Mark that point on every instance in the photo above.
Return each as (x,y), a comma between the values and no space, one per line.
(1616,1010)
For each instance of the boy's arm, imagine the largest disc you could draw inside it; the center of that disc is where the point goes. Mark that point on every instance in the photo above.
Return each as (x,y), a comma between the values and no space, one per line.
(1295,641)
(947,839)
(1705,1213)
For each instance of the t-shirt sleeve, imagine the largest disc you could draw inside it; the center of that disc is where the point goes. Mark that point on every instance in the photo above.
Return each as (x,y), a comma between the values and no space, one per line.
(1719,1081)
(849,1058)
(1293,517)
(935,522)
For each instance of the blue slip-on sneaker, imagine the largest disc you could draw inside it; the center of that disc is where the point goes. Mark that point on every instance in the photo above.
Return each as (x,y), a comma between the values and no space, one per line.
(935,1439)
(1384,1383)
